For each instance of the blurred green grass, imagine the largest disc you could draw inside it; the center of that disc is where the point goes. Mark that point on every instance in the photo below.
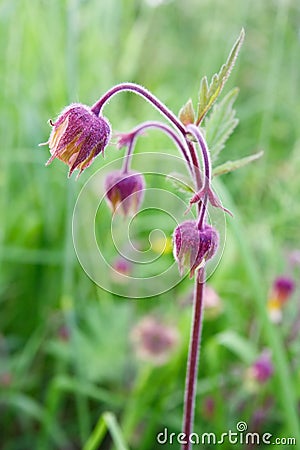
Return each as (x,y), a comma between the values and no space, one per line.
(54,53)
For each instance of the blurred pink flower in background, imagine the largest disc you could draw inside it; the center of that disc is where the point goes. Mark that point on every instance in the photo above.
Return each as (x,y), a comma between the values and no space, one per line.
(294,257)
(261,370)
(120,270)
(153,340)
(208,407)
(213,305)
(212,302)
(282,289)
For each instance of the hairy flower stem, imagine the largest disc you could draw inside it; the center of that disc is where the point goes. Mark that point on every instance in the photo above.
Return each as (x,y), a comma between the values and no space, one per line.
(194,346)
(204,151)
(193,359)
(164,128)
(196,164)
(195,339)
(143,92)
(166,112)
(128,156)
(205,188)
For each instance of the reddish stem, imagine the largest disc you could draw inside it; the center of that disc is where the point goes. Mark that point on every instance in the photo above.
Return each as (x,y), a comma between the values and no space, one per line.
(128,156)
(141,91)
(168,131)
(193,359)
(206,171)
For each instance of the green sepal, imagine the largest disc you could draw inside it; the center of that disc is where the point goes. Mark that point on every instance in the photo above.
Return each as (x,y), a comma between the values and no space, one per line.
(187,113)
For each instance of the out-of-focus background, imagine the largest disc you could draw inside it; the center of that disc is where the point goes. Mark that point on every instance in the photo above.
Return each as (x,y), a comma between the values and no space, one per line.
(69,350)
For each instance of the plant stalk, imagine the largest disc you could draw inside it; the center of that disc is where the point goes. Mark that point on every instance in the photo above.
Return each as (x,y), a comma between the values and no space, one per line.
(161,107)
(193,359)
(169,132)
(143,92)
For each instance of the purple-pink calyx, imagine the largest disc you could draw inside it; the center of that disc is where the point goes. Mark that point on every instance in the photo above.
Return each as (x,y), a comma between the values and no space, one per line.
(193,247)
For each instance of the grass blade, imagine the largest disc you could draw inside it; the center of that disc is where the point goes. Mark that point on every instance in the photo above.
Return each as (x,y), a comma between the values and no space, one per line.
(106,422)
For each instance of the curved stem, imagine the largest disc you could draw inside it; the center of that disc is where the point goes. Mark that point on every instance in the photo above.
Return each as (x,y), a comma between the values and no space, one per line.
(206,169)
(128,155)
(196,164)
(168,131)
(204,151)
(143,92)
(166,112)
(202,212)
(193,359)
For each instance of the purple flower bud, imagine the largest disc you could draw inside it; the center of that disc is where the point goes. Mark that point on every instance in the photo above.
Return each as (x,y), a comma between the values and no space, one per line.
(193,247)
(78,136)
(126,190)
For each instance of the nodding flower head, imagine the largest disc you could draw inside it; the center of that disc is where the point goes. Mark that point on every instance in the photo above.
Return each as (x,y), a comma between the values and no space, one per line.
(125,190)
(193,247)
(77,137)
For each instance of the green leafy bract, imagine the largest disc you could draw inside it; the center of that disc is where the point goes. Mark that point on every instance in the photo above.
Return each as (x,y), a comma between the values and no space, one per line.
(209,94)
(221,123)
(229,166)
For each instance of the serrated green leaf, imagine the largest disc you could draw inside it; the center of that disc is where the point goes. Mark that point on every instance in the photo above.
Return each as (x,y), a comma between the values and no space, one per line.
(187,113)
(208,95)
(229,166)
(180,182)
(221,123)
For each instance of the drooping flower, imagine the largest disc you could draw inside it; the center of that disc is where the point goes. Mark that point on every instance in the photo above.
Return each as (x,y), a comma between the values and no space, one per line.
(282,289)
(193,247)
(125,191)
(77,137)
(153,340)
